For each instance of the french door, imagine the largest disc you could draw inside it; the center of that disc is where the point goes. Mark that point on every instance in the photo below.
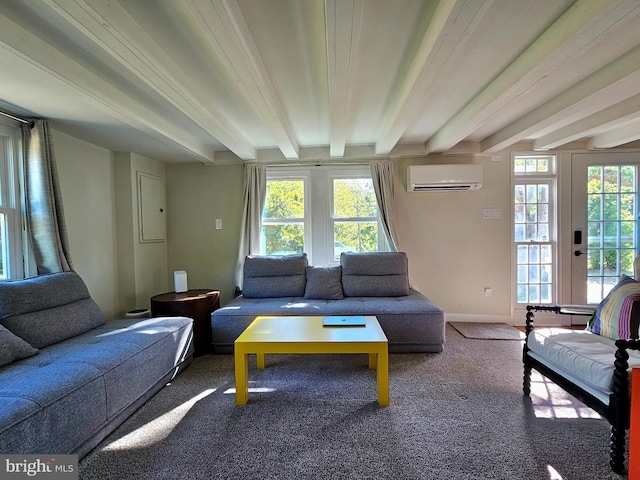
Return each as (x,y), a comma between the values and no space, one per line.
(605,222)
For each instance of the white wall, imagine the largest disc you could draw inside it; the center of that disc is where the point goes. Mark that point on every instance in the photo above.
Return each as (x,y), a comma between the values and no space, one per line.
(86,181)
(142,267)
(453,252)
(101,210)
(197,195)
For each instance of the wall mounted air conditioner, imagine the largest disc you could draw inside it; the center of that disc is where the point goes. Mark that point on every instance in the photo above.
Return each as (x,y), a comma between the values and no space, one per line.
(442,178)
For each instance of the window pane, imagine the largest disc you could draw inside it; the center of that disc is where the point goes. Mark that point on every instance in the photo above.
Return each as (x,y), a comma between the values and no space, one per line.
(283,239)
(523,254)
(355,237)
(354,197)
(285,199)
(594,179)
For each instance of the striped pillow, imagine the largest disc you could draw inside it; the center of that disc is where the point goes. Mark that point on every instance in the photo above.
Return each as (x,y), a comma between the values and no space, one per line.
(613,317)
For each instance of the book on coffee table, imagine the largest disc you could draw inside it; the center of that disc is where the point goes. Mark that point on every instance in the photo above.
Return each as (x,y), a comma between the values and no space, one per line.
(344,321)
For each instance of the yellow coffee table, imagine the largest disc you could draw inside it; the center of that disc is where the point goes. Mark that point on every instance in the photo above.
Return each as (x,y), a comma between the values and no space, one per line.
(293,335)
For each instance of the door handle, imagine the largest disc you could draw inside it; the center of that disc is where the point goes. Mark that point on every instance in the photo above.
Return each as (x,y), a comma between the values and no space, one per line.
(577,253)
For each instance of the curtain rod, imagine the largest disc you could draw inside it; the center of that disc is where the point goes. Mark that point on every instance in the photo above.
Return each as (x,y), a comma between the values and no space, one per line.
(18,119)
(318,163)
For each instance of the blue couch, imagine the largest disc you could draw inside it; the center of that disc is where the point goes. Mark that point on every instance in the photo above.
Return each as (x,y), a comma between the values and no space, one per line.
(67,377)
(363,284)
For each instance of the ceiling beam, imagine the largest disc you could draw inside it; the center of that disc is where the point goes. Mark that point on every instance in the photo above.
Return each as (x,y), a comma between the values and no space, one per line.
(110,27)
(612,84)
(343,24)
(93,89)
(228,34)
(444,39)
(607,119)
(614,138)
(582,25)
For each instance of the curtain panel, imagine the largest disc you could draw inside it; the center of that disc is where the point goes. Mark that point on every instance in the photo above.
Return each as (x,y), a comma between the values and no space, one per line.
(43,202)
(382,177)
(255,192)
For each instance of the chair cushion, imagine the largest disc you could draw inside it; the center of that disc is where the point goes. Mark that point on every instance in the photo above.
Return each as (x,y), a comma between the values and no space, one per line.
(377,274)
(324,283)
(13,348)
(275,276)
(580,356)
(613,317)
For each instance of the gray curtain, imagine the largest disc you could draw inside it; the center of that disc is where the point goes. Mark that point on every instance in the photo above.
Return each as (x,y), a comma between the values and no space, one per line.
(382,176)
(43,201)
(255,191)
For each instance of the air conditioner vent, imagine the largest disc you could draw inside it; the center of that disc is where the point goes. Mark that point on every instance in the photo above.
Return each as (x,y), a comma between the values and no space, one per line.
(438,178)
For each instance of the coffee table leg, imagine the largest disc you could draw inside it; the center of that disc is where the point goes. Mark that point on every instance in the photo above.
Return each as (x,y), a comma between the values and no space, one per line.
(242,378)
(260,360)
(383,379)
(373,360)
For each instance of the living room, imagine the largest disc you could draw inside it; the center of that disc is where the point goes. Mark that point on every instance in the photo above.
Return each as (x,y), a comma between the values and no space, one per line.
(460,244)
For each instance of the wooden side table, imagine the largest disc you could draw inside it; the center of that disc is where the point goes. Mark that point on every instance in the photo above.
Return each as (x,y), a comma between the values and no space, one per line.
(196,304)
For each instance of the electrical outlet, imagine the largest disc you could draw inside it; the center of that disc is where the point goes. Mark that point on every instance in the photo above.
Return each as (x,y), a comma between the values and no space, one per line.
(487,291)
(218,224)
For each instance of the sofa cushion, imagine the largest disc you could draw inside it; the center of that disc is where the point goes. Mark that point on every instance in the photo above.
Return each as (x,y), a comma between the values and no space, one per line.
(47,309)
(613,318)
(13,348)
(377,274)
(275,276)
(324,283)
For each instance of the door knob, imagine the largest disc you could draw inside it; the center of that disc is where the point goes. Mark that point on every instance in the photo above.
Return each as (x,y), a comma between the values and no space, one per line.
(577,253)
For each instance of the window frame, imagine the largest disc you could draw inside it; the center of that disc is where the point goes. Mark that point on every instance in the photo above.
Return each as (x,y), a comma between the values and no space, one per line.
(537,178)
(11,202)
(285,175)
(318,203)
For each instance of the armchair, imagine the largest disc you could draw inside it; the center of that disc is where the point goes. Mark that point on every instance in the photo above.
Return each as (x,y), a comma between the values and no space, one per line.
(593,368)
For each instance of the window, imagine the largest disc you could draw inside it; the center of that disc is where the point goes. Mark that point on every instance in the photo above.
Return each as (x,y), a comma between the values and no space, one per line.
(534,229)
(10,216)
(283,219)
(354,216)
(322,211)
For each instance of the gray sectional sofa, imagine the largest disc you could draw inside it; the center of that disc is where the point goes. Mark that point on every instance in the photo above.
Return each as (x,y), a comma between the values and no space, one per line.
(363,284)
(67,377)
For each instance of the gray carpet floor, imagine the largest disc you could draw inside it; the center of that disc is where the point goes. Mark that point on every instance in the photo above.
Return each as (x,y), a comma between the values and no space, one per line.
(457,415)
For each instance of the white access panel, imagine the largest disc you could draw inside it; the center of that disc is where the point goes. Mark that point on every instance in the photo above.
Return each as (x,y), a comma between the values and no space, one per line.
(152,208)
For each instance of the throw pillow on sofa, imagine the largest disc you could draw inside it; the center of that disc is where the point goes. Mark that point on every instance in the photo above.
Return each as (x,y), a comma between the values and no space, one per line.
(13,348)
(324,283)
(613,317)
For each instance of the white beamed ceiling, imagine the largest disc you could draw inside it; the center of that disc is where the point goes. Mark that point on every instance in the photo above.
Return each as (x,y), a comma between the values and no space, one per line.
(219,81)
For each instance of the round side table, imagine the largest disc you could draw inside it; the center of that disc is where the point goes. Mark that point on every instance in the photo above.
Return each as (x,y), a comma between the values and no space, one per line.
(196,304)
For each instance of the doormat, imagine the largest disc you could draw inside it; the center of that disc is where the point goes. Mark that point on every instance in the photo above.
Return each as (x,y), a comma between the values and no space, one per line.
(488,331)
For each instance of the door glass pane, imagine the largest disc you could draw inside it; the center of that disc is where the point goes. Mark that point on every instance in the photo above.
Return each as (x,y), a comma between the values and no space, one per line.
(611,226)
